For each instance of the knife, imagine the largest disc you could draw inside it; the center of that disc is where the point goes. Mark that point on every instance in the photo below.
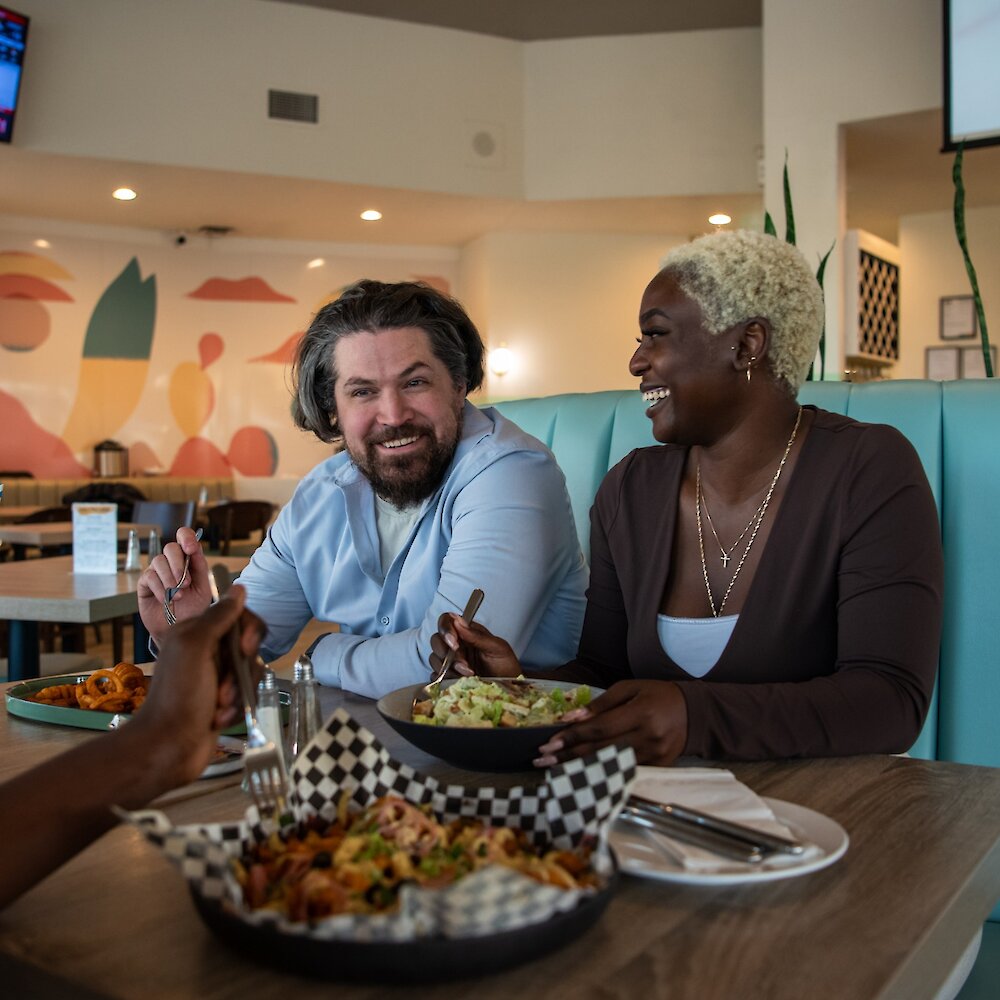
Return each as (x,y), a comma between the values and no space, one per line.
(766,842)
(717,843)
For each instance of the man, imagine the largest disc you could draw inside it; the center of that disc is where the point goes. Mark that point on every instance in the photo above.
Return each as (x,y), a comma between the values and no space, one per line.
(430,499)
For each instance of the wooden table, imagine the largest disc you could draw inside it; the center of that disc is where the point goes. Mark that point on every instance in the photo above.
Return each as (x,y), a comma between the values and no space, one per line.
(9,514)
(888,920)
(47,590)
(60,533)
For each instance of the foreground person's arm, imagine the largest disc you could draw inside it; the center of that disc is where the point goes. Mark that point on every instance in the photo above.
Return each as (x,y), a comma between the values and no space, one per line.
(57,808)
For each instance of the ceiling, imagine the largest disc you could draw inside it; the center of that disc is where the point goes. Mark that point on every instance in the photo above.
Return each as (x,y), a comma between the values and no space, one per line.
(893,165)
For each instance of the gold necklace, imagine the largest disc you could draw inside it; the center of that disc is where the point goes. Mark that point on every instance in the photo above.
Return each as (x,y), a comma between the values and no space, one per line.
(758,517)
(726,556)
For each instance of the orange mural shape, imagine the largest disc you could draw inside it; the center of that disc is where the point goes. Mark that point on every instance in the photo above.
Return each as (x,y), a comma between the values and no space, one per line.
(25,445)
(192,397)
(24,324)
(142,458)
(199,457)
(240,290)
(27,286)
(284,355)
(253,452)
(210,347)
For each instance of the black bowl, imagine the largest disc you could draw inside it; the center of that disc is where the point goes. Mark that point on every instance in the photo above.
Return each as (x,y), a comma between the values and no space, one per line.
(472,749)
(424,960)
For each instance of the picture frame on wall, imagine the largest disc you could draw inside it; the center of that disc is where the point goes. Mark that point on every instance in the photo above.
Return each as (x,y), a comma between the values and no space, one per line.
(972,361)
(942,363)
(958,318)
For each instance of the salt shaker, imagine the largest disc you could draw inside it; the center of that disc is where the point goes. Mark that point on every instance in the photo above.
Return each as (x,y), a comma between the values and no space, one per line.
(269,708)
(132,550)
(155,548)
(306,716)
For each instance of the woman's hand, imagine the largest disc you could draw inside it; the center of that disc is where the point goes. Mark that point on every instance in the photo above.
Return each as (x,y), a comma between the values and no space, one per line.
(477,650)
(164,571)
(649,716)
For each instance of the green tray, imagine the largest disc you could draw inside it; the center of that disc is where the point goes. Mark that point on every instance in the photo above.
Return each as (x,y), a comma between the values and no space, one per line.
(81,718)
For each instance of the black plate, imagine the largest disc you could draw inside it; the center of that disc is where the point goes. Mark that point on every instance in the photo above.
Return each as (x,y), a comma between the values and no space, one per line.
(472,749)
(427,960)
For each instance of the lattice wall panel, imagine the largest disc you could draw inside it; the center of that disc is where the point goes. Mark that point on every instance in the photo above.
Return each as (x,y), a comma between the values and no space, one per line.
(878,307)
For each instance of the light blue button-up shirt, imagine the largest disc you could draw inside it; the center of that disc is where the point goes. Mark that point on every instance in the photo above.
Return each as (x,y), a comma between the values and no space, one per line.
(501,521)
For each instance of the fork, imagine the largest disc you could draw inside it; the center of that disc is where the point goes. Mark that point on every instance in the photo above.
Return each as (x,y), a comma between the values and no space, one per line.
(263,764)
(171,592)
(429,690)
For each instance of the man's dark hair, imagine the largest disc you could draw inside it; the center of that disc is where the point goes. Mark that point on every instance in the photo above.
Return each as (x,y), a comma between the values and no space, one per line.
(367,306)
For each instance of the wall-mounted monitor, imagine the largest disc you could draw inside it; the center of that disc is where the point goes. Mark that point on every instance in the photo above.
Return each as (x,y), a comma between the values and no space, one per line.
(971,73)
(13,38)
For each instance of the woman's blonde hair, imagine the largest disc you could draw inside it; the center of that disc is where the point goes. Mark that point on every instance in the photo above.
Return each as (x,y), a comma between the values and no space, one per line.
(735,276)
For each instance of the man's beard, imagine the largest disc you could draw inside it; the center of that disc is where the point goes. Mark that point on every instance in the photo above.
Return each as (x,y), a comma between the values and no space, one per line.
(406,480)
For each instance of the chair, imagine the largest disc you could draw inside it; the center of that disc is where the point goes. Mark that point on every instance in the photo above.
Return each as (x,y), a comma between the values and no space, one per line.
(236,520)
(167,517)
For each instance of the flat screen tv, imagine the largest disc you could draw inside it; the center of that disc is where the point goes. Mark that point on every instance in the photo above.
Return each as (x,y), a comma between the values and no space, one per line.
(971,73)
(13,37)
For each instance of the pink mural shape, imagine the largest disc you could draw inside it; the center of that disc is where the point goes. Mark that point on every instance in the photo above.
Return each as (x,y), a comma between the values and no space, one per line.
(28,286)
(25,445)
(199,457)
(25,323)
(142,458)
(251,289)
(210,347)
(283,355)
(252,452)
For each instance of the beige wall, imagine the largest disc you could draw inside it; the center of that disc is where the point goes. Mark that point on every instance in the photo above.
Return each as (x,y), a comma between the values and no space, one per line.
(643,115)
(934,268)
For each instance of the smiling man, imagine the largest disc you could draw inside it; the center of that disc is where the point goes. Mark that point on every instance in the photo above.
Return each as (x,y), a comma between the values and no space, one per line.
(431,498)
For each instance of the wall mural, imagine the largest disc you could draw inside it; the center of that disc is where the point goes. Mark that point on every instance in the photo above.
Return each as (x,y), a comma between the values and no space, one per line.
(183,358)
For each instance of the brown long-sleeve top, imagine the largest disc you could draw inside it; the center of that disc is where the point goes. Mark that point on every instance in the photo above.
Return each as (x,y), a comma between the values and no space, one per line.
(836,648)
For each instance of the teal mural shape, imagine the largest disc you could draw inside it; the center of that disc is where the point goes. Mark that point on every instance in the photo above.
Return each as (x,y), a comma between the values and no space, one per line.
(124,318)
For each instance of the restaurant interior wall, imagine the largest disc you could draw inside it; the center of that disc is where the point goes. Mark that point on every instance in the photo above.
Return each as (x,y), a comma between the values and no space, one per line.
(185,83)
(635,115)
(934,270)
(823,65)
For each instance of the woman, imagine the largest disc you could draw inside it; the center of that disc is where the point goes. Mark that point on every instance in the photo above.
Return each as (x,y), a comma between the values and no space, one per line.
(768,582)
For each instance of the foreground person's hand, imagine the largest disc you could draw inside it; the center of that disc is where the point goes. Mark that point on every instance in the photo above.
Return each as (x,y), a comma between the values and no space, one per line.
(188,701)
(164,571)
(649,716)
(477,650)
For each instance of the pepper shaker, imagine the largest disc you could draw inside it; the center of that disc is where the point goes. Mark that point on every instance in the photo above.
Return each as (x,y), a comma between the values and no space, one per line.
(155,548)
(132,551)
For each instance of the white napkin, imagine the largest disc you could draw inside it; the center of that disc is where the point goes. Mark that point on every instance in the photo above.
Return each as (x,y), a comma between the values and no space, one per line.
(716,791)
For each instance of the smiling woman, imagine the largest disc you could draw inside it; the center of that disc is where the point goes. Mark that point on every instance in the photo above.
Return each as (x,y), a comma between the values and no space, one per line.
(816,534)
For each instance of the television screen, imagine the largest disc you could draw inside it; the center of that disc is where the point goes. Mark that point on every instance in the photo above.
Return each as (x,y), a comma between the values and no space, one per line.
(13,35)
(971,73)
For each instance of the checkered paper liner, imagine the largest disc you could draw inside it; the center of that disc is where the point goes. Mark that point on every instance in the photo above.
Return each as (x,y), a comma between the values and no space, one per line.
(576,804)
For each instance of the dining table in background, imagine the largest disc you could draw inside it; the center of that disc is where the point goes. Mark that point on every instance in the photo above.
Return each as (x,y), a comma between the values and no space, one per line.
(59,534)
(47,590)
(890,919)
(13,514)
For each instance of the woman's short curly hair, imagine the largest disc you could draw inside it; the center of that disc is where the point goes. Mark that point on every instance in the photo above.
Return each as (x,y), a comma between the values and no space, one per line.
(367,306)
(735,276)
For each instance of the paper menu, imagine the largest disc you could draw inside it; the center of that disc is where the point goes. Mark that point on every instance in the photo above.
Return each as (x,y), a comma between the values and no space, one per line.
(95,538)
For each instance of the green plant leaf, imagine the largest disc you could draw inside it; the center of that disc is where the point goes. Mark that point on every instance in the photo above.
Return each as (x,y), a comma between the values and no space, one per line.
(769,229)
(789,214)
(960,233)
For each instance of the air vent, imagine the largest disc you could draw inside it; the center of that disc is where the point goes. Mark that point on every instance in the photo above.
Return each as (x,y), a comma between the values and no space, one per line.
(292,107)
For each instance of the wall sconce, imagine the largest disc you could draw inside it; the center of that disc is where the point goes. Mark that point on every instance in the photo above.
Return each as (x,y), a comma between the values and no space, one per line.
(500,359)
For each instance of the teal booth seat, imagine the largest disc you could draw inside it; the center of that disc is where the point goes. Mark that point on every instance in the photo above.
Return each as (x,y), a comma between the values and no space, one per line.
(955,427)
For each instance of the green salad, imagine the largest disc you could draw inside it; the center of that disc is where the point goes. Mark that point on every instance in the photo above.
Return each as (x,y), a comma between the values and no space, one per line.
(476,703)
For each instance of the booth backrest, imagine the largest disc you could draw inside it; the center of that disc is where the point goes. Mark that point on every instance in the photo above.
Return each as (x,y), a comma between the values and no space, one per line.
(953,426)
(50,492)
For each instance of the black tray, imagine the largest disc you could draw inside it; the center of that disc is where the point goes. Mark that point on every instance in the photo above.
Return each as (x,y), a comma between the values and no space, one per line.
(426,960)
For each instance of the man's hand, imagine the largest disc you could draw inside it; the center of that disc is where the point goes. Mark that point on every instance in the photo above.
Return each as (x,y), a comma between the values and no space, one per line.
(477,650)
(649,716)
(164,571)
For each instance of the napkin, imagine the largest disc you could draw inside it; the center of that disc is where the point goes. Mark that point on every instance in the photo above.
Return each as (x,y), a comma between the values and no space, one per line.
(715,791)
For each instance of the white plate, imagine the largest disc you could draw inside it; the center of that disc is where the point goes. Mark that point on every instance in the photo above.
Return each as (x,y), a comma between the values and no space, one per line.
(638,855)
(232,761)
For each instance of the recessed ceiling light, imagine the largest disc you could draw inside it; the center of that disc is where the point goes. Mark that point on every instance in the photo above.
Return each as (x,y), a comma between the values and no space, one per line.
(316,262)
(720,219)
(42,244)
(371,215)
(123,194)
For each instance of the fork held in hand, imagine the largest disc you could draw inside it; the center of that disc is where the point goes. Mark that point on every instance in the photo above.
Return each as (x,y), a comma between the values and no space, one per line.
(429,689)
(263,763)
(171,592)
